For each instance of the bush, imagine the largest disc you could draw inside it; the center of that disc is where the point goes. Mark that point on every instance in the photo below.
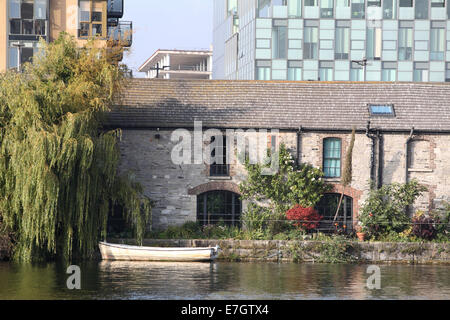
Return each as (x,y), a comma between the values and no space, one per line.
(307,218)
(263,221)
(443,215)
(423,227)
(384,211)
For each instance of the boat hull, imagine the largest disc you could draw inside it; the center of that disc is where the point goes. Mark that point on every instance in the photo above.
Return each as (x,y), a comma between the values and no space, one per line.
(119,252)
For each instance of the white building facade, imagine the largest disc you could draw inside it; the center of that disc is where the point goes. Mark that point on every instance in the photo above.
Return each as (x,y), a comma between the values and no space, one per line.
(178,64)
(332,40)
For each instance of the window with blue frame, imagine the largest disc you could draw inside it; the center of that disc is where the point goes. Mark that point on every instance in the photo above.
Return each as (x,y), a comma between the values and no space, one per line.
(332,157)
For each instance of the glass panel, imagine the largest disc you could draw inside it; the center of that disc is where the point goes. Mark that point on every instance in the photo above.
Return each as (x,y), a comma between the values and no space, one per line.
(84,29)
(294,8)
(26,56)
(14,26)
(389,9)
(295,74)
(325,74)
(232,7)
(14,9)
(405,43)
(326,8)
(374,3)
(356,74)
(373,43)
(310,43)
(342,3)
(438,3)
(263,73)
(96,16)
(358,8)
(85,10)
(406,3)
(39,27)
(40,9)
(27,27)
(279,42)
(388,75)
(311,3)
(12,63)
(437,43)
(263,8)
(421,9)
(26,10)
(381,109)
(97,29)
(342,45)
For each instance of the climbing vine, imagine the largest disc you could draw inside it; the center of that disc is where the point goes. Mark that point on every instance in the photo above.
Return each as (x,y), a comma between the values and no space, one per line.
(293,184)
(58,166)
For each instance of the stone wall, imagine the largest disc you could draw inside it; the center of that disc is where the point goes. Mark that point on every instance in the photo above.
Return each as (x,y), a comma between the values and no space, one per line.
(310,251)
(174,188)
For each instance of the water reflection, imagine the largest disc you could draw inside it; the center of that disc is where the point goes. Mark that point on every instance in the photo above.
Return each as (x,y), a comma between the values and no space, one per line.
(195,281)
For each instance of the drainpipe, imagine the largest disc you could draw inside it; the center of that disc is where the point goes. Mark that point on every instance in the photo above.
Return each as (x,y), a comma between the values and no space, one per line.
(372,153)
(380,159)
(408,140)
(299,137)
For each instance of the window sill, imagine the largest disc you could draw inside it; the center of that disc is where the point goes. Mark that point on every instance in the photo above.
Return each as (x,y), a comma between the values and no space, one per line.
(332,179)
(219,178)
(420,170)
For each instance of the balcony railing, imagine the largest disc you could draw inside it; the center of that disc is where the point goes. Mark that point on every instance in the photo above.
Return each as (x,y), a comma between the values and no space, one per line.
(123,32)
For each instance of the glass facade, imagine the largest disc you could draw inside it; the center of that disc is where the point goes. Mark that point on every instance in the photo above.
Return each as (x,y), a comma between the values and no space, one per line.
(412,37)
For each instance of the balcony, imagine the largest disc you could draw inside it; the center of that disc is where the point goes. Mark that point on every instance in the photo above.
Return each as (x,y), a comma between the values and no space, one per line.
(121,34)
(115,9)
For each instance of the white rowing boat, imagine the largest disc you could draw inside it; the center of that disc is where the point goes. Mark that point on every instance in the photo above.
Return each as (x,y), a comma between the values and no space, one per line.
(111,251)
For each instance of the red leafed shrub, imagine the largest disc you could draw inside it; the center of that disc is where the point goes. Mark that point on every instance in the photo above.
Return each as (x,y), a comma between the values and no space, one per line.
(307,218)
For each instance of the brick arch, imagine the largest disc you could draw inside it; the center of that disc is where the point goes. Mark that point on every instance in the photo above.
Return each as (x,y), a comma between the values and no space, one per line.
(215,186)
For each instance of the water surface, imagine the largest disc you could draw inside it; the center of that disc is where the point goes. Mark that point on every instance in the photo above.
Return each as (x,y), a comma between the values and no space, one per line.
(220,280)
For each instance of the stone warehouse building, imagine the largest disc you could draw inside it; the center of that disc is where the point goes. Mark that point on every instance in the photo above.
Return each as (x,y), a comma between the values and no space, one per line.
(402,133)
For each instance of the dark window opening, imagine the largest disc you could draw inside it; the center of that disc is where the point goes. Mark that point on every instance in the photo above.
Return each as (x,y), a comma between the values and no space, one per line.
(14,26)
(27,11)
(219,167)
(406,3)
(27,55)
(217,207)
(327,207)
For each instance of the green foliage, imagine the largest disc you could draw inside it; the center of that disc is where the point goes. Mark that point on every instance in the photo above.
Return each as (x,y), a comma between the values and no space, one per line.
(58,167)
(384,211)
(292,184)
(338,250)
(443,216)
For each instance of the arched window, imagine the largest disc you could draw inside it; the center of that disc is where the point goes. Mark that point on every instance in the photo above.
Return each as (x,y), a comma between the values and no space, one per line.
(219,206)
(327,207)
(332,157)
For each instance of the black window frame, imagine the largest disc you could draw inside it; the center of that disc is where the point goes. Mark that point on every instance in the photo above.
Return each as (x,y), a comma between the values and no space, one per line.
(229,210)
(220,169)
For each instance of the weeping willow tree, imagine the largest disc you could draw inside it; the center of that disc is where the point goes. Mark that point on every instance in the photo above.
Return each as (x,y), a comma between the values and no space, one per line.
(58,166)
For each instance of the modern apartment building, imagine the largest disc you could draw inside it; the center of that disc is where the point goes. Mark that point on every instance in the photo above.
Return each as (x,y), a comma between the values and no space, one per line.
(332,40)
(24,22)
(178,64)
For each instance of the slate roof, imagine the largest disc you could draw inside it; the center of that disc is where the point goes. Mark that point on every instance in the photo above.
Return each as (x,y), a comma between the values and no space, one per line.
(151,103)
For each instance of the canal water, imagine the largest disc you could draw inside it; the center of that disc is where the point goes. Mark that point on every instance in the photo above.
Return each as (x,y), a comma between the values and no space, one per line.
(223,281)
